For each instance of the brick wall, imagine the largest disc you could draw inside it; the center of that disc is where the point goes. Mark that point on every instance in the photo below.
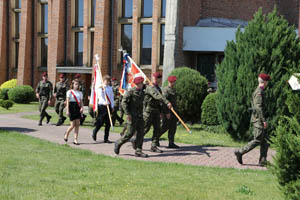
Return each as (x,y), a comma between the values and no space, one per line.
(3,41)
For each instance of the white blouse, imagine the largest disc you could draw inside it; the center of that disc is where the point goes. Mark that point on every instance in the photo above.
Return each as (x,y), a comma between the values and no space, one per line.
(110,94)
(77,93)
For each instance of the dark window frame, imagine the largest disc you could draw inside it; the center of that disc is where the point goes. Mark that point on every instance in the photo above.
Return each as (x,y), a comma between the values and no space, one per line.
(162,44)
(92,48)
(43,17)
(17,24)
(78,60)
(93,13)
(163,8)
(18,4)
(44,52)
(123,9)
(143,10)
(17,44)
(141,45)
(77,14)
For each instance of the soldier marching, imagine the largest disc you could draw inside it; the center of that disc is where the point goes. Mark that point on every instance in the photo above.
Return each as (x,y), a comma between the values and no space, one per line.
(60,91)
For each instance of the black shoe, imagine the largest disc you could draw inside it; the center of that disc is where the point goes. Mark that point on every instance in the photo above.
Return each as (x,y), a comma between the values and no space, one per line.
(108,141)
(121,121)
(48,119)
(82,119)
(59,123)
(40,123)
(157,144)
(141,154)
(239,156)
(263,162)
(65,139)
(117,148)
(133,144)
(94,136)
(63,120)
(155,149)
(173,146)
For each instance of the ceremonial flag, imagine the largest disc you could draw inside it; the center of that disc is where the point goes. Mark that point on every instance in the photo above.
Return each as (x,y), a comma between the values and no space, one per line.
(130,71)
(97,83)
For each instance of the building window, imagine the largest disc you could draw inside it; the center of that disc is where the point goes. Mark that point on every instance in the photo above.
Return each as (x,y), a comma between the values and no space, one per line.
(44,26)
(146,44)
(44,51)
(17,24)
(126,37)
(79,13)
(147,8)
(163,8)
(16,54)
(127,8)
(206,66)
(93,12)
(162,44)
(79,48)
(18,4)
(92,48)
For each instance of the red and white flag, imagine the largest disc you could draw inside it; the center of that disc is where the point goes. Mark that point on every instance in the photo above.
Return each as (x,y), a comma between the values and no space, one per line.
(97,83)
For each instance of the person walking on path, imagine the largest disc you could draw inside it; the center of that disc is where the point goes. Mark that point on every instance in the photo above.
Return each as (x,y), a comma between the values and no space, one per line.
(153,102)
(105,97)
(115,116)
(60,91)
(169,120)
(133,107)
(82,89)
(258,119)
(44,94)
(74,110)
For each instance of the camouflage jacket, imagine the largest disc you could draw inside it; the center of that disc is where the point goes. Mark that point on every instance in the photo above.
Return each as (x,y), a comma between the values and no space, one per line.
(82,88)
(60,90)
(154,99)
(116,95)
(132,102)
(258,107)
(44,89)
(170,94)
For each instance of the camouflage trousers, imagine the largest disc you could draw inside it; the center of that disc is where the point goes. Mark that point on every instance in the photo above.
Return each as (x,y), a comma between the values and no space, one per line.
(260,138)
(59,108)
(169,125)
(135,127)
(43,104)
(152,118)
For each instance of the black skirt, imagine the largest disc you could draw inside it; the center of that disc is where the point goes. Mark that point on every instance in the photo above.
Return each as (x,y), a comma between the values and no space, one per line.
(74,111)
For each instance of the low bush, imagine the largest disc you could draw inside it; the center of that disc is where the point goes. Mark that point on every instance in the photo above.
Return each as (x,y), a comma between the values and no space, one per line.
(6,104)
(3,93)
(21,94)
(9,84)
(209,114)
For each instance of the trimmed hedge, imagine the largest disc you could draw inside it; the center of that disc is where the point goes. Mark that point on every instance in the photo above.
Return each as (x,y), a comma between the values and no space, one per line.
(191,89)
(6,104)
(3,93)
(9,84)
(209,114)
(21,94)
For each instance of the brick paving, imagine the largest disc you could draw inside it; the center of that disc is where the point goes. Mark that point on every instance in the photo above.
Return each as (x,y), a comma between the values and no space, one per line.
(187,154)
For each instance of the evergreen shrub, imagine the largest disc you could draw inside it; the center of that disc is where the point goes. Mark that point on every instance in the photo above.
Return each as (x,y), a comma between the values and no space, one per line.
(9,84)
(191,89)
(6,104)
(267,45)
(3,93)
(209,114)
(21,94)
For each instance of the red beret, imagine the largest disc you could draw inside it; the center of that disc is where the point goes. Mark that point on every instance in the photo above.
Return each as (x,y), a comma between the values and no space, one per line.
(172,78)
(156,75)
(113,79)
(61,76)
(264,76)
(77,76)
(138,79)
(45,74)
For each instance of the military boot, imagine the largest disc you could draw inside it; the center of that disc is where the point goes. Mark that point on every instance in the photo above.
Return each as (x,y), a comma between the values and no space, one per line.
(173,146)
(239,156)
(59,123)
(155,149)
(133,144)
(141,154)
(63,120)
(262,161)
(48,118)
(117,148)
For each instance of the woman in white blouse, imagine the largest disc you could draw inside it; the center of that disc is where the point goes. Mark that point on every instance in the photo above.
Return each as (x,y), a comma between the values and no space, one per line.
(74,110)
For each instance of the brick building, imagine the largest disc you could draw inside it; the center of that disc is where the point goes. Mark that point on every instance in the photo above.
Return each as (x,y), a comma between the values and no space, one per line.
(61,36)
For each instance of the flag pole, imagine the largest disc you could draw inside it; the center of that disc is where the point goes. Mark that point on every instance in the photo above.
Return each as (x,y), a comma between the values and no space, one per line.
(106,101)
(172,109)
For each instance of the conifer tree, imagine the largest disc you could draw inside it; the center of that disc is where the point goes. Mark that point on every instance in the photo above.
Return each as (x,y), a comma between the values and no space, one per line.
(267,45)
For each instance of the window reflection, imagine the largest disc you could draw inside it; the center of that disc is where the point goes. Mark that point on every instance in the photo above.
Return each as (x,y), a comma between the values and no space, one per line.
(44,51)
(126,37)
(146,44)
(79,13)
(44,18)
(79,48)
(162,44)
(147,6)
(127,8)
(163,8)
(17,24)
(93,12)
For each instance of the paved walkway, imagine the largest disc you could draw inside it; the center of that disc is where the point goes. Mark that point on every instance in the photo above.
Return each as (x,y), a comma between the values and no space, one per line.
(187,154)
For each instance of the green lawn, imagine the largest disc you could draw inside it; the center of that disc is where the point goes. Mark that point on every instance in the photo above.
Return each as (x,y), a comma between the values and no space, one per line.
(31,168)
(20,108)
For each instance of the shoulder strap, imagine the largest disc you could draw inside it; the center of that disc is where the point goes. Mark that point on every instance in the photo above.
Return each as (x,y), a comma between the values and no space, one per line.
(75,98)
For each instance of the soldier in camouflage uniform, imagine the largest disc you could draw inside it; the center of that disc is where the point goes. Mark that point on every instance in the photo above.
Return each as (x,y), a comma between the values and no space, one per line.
(133,107)
(81,89)
(169,121)
(60,91)
(44,94)
(258,119)
(153,104)
(115,116)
